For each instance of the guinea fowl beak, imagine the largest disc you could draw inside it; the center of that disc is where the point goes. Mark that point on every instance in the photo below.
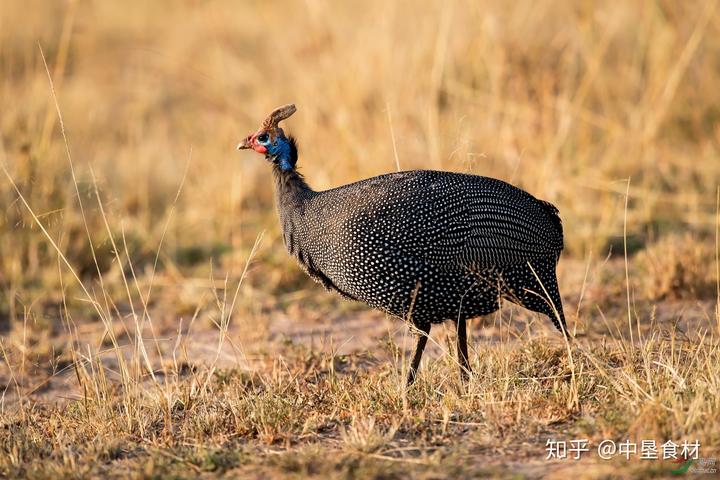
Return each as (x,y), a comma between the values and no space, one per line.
(246,143)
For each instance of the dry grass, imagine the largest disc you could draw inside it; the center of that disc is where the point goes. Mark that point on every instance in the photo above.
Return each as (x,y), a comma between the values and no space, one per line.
(323,414)
(149,327)
(678,267)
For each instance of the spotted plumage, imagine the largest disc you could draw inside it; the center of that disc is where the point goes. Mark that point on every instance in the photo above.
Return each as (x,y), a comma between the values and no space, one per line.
(425,246)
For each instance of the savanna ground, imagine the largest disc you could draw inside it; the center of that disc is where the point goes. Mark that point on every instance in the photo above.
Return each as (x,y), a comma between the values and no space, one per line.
(152,325)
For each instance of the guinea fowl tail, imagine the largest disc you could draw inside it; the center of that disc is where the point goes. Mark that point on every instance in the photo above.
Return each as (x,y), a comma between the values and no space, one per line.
(534,285)
(554,216)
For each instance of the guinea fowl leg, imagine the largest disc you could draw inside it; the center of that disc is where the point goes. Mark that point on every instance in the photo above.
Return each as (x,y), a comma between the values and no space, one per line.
(462,350)
(421,342)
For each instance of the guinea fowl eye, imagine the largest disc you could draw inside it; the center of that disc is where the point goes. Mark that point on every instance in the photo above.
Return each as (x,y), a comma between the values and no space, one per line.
(262,138)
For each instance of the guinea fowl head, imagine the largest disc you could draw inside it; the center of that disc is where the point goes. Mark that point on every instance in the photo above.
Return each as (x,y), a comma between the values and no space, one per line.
(270,140)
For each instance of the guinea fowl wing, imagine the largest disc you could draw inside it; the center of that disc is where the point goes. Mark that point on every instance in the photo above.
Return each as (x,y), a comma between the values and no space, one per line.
(450,220)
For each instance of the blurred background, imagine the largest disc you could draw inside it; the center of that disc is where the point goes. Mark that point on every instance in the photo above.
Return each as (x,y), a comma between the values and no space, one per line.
(569,100)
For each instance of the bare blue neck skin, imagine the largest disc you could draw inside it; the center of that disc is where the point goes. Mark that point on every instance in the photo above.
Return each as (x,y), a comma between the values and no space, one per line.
(281,154)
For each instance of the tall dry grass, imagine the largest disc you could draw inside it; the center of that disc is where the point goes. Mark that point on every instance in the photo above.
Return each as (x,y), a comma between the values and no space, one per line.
(567,100)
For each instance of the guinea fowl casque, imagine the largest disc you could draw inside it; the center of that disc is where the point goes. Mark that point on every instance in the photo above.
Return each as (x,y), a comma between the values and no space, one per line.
(425,246)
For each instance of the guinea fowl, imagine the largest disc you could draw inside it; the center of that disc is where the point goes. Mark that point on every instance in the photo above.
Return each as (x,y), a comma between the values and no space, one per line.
(425,246)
